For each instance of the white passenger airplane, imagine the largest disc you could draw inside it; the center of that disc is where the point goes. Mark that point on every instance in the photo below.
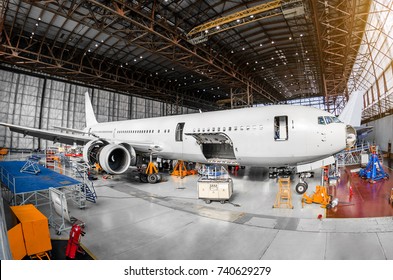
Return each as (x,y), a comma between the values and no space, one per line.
(269,136)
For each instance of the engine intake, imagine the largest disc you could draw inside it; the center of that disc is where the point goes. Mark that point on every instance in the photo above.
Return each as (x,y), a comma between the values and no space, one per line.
(113,158)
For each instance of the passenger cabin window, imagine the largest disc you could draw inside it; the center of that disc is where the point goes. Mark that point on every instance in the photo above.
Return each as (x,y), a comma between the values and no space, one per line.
(281,128)
(179,132)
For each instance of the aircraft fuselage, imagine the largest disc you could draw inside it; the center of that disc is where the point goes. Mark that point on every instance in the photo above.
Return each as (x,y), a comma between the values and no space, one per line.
(276,135)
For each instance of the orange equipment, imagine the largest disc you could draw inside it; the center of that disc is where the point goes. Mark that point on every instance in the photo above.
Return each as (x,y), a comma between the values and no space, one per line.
(320,196)
(151,168)
(3,152)
(180,169)
(34,228)
(73,245)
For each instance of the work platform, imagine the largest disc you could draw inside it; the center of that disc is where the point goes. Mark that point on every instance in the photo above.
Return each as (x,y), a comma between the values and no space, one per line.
(20,187)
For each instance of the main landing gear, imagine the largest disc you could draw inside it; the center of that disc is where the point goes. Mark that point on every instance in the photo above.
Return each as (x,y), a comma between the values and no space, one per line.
(150,174)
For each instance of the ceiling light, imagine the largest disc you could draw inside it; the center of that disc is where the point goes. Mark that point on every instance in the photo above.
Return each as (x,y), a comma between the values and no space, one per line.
(243,49)
(206,31)
(218,27)
(238,20)
(141,57)
(290,38)
(272,42)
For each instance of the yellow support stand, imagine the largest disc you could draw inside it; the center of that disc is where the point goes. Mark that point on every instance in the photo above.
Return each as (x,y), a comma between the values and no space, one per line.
(180,169)
(284,195)
(151,168)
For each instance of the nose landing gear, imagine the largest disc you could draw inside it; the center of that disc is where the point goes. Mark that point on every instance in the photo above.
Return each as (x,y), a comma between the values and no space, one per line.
(302,186)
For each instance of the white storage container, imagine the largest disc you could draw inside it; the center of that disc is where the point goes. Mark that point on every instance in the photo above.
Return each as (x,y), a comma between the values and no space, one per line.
(218,190)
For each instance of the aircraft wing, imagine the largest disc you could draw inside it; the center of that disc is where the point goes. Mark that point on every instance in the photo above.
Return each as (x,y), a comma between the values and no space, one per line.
(54,136)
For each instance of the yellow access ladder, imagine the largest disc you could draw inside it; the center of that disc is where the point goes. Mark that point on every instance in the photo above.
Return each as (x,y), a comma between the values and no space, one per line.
(284,194)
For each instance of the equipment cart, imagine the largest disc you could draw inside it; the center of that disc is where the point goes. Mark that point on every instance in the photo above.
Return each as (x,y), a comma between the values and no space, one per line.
(215,184)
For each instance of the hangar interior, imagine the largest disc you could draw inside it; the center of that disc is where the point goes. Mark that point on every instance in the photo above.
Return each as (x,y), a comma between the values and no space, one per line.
(148,59)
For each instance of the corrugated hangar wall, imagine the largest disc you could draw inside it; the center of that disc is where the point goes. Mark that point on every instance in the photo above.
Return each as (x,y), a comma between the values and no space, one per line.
(382,133)
(44,103)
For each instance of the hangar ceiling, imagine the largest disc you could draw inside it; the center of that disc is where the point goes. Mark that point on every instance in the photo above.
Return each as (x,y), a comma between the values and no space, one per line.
(252,51)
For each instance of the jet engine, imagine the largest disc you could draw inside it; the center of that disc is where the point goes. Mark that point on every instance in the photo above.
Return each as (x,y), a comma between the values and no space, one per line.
(113,158)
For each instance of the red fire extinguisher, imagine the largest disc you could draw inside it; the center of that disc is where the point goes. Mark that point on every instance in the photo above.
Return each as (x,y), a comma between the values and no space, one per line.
(73,245)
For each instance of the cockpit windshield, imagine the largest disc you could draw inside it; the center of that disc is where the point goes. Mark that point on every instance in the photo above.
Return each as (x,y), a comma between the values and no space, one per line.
(336,120)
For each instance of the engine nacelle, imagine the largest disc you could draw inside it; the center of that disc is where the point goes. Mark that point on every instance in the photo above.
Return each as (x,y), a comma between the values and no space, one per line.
(113,158)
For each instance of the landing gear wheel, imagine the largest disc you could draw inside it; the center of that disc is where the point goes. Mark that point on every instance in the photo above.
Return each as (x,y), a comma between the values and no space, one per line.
(301,188)
(222,201)
(143,178)
(152,178)
(159,177)
(208,201)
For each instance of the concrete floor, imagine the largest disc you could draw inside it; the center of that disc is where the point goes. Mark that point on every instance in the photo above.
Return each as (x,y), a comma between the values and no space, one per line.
(132,220)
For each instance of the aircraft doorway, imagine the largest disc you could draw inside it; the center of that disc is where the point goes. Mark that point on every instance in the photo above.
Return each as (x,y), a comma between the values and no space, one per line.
(179,132)
(281,128)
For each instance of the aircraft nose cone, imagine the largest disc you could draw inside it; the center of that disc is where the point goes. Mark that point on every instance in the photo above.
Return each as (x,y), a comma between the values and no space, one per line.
(350,136)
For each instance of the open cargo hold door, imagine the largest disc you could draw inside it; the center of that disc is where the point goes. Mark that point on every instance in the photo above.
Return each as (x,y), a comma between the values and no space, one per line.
(216,147)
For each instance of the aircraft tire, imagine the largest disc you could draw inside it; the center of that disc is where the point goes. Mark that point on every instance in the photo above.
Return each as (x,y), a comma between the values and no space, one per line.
(301,188)
(159,177)
(143,178)
(152,178)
